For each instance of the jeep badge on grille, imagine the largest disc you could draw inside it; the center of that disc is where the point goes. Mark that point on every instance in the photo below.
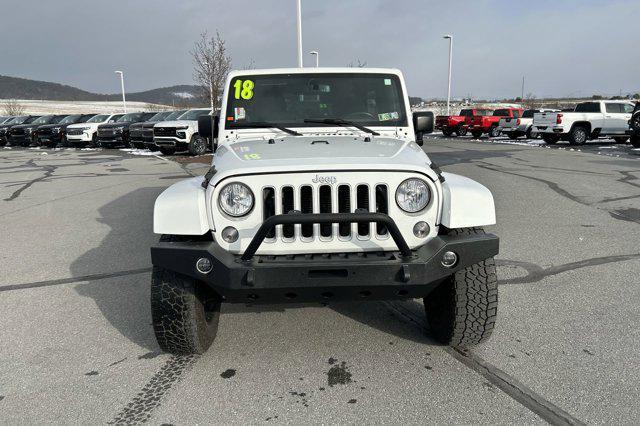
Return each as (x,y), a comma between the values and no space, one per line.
(324,179)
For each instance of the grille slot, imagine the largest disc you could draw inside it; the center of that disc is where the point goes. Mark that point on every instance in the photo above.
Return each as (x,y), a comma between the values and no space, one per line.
(288,231)
(325,207)
(306,206)
(344,206)
(269,207)
(382,199)
(362,203)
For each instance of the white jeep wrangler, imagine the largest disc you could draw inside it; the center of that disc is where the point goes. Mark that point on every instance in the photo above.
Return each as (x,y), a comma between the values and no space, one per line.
(318,191)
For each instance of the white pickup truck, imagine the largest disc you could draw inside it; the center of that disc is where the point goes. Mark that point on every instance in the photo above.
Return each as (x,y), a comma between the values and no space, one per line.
(182,134)
(590,120)
(522,126)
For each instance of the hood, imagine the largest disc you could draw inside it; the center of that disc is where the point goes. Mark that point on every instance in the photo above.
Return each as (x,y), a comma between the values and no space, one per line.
(114,125)
(177,123)
(81,125)
(311,153)
(51,126)
(25,126)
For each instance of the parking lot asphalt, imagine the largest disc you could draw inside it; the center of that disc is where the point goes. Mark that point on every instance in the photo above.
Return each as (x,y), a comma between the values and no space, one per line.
(78,347)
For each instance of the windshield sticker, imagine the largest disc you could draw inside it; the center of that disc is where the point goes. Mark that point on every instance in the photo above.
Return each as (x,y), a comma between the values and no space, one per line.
(244,89)
(239,113)
(386,116)
(251,156)
(387,82)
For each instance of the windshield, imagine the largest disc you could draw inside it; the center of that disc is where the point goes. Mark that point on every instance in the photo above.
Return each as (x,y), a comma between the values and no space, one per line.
(175,114)
(69,119)
(289,99)
(18,120)
(194,114)
(529,113)
(129,118)
(43,120)
(98,118)
(159,116)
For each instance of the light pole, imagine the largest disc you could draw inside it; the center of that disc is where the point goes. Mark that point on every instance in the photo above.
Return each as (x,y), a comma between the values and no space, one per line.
(317,55)
(124,101)
(299,20)
(450,37)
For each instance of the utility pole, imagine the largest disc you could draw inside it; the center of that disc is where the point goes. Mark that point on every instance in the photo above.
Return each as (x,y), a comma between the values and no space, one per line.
(124,101)
(450,37)
(522,95)
(299,19)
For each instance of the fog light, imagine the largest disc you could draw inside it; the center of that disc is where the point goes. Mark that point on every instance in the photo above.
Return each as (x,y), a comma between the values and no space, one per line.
(421,229)
(230,234)
(449,259)
(204,265)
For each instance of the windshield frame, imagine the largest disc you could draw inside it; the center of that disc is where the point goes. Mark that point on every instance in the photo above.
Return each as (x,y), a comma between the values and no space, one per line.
(404,119)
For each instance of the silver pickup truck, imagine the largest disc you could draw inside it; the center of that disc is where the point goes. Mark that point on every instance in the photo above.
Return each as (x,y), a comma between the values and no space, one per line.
(590,120)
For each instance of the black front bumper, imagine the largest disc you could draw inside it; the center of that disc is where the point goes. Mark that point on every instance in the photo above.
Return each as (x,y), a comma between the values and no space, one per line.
(324,277)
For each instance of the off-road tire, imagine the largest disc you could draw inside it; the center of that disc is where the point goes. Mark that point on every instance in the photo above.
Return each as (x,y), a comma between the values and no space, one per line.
(461,131)
(635,141)
(197,145)
(476,134)
(494,132)
(462,310)
(167,151)
(550,139)
(447,132)
(184,312)
(621,139)
(578,135)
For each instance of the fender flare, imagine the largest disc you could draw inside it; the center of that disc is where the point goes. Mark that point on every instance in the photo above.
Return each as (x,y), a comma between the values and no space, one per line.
(181,209)
(466,203)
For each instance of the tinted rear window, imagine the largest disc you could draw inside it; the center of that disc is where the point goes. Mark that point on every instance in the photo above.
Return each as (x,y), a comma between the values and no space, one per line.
(588,107)
(501,113)
(529,113)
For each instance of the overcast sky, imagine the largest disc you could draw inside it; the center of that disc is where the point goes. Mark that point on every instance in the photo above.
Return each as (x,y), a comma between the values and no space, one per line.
(563,48)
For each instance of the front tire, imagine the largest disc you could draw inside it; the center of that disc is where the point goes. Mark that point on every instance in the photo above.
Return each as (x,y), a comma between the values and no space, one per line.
(635,141)
(462,310)
(185,313)
(476,134)
(447,132)
(494,132)
(197,145)
(461,131)
(550,139)
(621,139)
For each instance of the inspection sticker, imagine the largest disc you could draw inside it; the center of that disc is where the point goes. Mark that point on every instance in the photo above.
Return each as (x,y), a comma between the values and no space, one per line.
(239,113)
(387,82)
(386,116)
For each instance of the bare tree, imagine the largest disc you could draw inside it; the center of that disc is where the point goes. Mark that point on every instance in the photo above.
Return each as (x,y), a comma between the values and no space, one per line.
(358,65)
(530,101)
(12,108)
(211,65)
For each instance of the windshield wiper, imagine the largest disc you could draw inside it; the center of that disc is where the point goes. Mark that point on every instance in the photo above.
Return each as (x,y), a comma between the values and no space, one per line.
(341,122)
(258,125)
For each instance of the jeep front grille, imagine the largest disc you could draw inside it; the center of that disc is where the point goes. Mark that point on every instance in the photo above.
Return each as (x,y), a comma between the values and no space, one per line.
(325,199)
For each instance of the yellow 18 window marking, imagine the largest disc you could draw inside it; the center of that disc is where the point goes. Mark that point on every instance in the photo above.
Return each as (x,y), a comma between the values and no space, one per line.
(244,89)
(252,156)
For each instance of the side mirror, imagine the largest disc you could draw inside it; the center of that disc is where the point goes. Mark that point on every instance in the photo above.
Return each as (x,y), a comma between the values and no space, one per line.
(423,122)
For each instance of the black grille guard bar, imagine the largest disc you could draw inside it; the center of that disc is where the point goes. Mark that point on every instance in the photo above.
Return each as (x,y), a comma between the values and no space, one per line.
(306,218)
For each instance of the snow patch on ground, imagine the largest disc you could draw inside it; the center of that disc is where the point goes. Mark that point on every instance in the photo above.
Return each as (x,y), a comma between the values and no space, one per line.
(143,152)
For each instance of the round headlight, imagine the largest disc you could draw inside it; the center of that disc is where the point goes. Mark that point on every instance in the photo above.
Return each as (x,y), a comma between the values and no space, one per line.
(236,199)
(413,195)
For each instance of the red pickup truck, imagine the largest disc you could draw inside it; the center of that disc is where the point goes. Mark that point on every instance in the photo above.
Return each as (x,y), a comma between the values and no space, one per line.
(489,124)
(450,124)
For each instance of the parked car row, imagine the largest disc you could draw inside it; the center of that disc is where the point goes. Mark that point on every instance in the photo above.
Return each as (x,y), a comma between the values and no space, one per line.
(589,120)
(166,131)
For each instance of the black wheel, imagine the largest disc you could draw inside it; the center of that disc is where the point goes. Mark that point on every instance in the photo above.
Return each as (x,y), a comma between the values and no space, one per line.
(530,134)
(578,135)
(476,134)
(621,139)
(550,139)
(635,141)
(94,141)
(462,310)
(635,122)
(167,150)
(198,145)
(512,135)
(152,147)
(494,132)
(447,132)
(184,312)
(461,131)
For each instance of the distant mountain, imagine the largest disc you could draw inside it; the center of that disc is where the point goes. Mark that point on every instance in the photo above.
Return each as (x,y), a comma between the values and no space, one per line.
(22,88)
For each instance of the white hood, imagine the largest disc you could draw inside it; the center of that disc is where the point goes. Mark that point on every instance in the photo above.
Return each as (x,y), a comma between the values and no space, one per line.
(177,123)
(311,153)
